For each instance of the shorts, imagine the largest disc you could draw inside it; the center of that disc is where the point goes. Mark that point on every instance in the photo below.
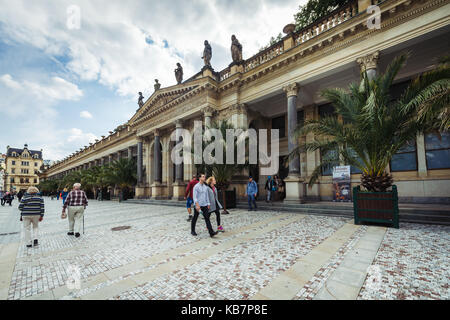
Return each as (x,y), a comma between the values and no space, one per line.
(189,202)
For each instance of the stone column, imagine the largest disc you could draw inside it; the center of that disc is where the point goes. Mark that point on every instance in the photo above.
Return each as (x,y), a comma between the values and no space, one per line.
(139,160)
(157,187)
(130,153)
(294,183)
(179,186)
(239,116)
(157,158)
(291,92)
(110,159)
(421,156)
(207,114)
(369,64)
(119,155)
(179,167)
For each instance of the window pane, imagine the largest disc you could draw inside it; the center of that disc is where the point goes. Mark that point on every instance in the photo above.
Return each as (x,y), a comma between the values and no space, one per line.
(408,147)
(439,159)
(404,162)
(326,110)
(300,117)
(330,155)
(432,141)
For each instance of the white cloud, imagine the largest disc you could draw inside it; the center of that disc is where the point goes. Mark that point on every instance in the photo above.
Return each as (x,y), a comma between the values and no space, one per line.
(77,135)
(85,114)
(111,47)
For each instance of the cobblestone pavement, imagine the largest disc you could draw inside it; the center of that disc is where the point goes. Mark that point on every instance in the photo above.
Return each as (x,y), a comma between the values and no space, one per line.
(157,258)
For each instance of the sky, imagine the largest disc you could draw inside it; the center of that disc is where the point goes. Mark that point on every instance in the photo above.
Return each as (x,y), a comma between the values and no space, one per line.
(70,71)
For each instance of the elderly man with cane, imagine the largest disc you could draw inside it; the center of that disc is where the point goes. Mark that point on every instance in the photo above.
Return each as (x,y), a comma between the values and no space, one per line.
(76,203)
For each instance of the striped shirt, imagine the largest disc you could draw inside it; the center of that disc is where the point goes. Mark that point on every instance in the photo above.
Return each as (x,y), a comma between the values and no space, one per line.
(76,198)
(31,205)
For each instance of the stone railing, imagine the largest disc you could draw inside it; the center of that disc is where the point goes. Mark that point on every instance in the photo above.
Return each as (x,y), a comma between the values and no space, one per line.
(328,22)
(264,56)
(224,74)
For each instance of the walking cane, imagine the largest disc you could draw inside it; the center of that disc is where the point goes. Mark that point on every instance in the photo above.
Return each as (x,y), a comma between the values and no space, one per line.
(83,223)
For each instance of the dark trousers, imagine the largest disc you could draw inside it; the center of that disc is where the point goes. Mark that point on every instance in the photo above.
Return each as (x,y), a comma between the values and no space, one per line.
(206,215)
(3,202)
(217,212)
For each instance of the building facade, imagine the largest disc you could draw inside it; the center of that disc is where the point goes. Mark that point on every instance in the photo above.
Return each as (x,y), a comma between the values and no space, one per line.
(2,171)
(277,89)
(22,168)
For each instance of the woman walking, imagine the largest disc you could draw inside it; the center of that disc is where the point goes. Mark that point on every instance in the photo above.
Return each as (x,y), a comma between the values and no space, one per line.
(32,212)
(214,200)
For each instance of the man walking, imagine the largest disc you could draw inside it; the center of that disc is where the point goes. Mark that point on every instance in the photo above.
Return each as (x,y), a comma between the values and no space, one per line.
(76,203)
(189,195)
(270,184)
(251,192)
(201,203)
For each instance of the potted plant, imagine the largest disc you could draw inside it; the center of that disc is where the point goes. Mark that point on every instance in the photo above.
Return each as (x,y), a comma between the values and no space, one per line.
(372,129)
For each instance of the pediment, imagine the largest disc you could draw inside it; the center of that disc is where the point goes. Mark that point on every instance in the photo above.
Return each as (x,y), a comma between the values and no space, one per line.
(167,96)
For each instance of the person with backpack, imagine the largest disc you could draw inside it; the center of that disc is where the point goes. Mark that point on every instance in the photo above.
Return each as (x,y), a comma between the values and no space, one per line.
(251,192)
(271,187)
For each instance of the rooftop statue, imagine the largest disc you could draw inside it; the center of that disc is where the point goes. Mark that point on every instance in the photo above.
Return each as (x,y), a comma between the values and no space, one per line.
(157,85)
(236,49)
(207,54)
(141,100)
(179,73)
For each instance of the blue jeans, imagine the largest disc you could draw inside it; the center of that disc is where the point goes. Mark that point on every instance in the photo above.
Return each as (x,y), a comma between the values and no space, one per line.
(251,198)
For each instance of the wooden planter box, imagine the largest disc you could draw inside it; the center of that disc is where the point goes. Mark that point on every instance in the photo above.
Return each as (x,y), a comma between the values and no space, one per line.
(379,207)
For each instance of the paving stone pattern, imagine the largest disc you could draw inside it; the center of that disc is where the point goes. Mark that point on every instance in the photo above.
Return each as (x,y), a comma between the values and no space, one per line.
(256,248)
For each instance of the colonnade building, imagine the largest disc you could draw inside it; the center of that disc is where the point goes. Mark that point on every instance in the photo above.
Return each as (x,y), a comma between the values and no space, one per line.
(278,88)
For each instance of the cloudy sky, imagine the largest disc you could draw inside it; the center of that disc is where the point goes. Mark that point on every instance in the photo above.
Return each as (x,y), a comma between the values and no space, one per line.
(65,81)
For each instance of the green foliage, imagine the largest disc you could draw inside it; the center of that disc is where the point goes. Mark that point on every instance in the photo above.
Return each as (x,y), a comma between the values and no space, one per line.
(314,10)
(374,126)
(222,172)
(121,173)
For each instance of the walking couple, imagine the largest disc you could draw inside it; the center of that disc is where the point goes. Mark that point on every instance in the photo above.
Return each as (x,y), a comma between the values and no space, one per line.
(205,199)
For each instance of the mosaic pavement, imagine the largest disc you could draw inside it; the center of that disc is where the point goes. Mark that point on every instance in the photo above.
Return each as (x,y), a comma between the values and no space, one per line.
(261,255)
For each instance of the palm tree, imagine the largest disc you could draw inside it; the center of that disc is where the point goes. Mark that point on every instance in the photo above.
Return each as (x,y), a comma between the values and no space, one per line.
(123,173)
(374,127)
(223,172)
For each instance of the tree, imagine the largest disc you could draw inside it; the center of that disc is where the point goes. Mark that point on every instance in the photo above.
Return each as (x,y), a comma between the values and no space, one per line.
(374,126)
(123,174)
(314,10)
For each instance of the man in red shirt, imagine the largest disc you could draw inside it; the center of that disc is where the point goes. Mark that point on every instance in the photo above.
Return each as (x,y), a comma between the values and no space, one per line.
(189,195)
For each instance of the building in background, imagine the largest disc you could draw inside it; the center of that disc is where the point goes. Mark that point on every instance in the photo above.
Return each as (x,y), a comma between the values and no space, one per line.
(2,171)
(22,168)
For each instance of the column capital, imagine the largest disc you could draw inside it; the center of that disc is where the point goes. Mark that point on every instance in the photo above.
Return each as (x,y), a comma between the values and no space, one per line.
(369,61)
(140,139)
(157,132)
(291,89)
(208,111)
(178,123)
(238,108)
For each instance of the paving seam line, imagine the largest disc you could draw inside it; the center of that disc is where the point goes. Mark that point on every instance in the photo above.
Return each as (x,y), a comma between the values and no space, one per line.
(182,262)
(338,238)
